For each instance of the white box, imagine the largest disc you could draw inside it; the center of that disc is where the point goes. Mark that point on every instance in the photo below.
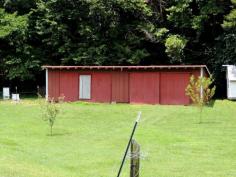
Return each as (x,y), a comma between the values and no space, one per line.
(6,93)
(16,97)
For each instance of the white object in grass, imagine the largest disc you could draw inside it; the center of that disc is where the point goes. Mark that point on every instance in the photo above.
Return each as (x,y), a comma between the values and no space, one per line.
(16,97)
(6,93)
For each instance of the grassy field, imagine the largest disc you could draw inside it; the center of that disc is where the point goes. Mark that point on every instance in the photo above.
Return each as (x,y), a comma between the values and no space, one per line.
(89,140)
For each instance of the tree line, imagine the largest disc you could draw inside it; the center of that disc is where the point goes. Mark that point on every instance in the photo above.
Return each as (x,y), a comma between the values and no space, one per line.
(115,32)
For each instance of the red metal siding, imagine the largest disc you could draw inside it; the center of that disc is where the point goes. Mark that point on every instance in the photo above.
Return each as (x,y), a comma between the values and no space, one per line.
(69,85)
(196,73)
(144,87)
(101,87)
(120,87)
(157,87)
(172,90)
(53,84)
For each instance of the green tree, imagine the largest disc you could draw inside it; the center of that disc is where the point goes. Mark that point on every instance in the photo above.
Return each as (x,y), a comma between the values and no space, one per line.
(22,7)
(199,22)
(18,58)
(10,23)
(230,19)
(91,32)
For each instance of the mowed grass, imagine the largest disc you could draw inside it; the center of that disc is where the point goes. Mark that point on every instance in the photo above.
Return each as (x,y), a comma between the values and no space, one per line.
(89,140)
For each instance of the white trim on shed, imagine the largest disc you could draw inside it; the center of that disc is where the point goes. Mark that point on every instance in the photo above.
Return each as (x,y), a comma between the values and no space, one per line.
(46,84)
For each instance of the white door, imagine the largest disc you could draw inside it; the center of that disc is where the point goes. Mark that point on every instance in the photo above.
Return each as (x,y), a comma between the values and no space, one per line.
(85,87)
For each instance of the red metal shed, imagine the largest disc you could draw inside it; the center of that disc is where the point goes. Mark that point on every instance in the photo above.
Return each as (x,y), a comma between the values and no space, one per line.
(122,84)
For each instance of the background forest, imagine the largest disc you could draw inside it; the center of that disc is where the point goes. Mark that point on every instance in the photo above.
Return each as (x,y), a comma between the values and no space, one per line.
(115,32)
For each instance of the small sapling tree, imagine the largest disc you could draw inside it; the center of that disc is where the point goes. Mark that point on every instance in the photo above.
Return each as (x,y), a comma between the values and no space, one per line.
(200,90)
(49,112)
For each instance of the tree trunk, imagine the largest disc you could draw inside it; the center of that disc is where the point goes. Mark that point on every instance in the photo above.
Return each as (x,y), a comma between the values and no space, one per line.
(51,130)
(200,120)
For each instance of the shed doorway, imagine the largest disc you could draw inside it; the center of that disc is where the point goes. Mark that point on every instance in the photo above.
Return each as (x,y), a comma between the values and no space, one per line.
(120,87)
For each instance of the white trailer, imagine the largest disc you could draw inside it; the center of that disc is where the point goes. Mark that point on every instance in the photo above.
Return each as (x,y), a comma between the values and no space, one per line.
(231,81)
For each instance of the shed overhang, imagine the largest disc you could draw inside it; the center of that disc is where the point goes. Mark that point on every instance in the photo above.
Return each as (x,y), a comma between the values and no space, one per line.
(121,68)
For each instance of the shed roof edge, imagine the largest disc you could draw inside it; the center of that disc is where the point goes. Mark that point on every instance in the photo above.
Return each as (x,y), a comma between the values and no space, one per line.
(128,67)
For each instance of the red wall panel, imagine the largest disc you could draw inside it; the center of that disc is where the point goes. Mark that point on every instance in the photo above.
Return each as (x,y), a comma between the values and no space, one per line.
(172,90)
(196,73)
(120,87)
(69,86)
(101,87)
(53,84)
(144,87)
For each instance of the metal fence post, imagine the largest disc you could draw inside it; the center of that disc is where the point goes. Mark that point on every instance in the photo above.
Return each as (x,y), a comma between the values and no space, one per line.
(129,143)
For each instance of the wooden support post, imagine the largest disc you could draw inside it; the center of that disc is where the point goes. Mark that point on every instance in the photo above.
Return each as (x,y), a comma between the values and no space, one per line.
(135,159)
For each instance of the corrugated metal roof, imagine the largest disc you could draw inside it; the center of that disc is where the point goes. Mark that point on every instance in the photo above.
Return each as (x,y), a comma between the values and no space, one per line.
(129,67)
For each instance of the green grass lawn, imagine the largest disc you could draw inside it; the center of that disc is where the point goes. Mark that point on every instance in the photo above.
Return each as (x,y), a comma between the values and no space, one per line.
(89,140)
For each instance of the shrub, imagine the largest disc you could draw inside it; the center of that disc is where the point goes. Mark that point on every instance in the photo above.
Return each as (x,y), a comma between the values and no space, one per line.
(49,112)
(200,91)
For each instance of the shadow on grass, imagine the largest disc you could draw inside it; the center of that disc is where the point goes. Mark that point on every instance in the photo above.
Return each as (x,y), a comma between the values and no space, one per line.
(211,104)
(208,122)
(59,134)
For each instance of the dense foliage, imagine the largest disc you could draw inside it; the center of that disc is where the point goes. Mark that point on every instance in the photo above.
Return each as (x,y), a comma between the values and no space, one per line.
(115,32)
